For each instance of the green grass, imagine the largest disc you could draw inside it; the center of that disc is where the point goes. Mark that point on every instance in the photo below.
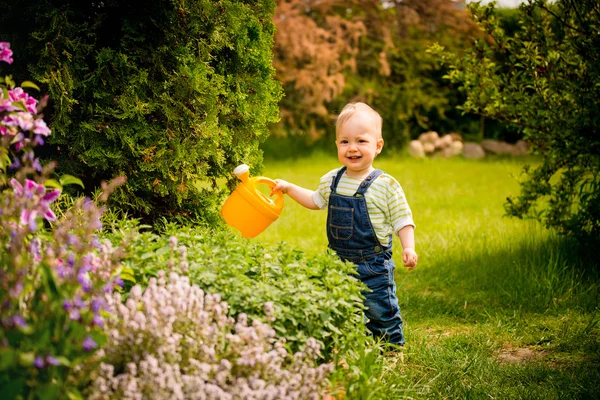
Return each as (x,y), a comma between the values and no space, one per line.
(497,308)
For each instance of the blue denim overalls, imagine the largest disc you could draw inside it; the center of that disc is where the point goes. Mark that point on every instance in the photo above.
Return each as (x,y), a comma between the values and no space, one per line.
(352,237)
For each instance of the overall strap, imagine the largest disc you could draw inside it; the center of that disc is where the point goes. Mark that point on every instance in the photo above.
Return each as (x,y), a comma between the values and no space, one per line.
(337,178)
(362,188)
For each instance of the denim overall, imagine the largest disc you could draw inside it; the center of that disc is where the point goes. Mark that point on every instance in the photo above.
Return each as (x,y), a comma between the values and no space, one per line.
(352,237)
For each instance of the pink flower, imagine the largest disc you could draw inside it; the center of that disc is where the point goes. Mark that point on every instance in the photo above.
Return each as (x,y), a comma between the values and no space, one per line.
(5,52)
(18,94)
(35,190)
(40,127)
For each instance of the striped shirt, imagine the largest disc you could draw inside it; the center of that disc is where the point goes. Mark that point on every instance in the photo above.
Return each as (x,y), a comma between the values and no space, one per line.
(386,203)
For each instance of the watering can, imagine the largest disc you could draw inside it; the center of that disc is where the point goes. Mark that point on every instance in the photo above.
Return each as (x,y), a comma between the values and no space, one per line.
(247,209)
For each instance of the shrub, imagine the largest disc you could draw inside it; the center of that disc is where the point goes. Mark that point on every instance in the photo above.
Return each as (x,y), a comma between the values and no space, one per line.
(544,81)
(174,341)
(313,296)
(173,95)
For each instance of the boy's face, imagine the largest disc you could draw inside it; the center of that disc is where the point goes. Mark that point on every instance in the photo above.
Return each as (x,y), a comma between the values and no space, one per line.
(358,143)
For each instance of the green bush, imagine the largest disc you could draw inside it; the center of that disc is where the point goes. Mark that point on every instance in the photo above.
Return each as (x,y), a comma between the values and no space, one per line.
(173,95)
(545,81)
(313,296)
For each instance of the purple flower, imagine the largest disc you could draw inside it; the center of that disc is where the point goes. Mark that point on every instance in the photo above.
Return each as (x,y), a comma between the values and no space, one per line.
(15,164)
(34,249)
(18,321)
(39,362)
(74,314)
(16,290)
(52,360)
(5,52)
(36,165)
(98,321)
(89,344)
(38,140)
(85,281)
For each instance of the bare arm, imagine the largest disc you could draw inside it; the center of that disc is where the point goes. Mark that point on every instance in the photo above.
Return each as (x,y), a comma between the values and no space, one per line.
(301,195)
(407,238)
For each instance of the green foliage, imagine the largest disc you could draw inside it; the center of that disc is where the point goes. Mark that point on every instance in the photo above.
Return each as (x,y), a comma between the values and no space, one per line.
(170,94)
(546,82)
(313,296)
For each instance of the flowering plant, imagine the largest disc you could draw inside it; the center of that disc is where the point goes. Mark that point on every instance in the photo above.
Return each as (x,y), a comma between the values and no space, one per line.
(52,281)
(174,341)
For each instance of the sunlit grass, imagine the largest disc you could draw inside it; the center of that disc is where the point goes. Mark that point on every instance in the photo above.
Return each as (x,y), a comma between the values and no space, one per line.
(487,286)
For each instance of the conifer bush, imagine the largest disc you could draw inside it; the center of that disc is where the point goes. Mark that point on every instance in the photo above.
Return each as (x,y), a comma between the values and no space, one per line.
(171,95)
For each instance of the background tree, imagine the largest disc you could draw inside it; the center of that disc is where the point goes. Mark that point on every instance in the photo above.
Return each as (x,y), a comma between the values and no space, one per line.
(316,45)
(330,52)
(170,94)
(545,81)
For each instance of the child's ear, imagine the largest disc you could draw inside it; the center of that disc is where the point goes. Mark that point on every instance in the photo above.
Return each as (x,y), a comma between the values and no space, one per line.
(379,145)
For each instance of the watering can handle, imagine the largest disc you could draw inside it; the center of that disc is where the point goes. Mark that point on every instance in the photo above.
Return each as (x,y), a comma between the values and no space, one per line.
(279,194)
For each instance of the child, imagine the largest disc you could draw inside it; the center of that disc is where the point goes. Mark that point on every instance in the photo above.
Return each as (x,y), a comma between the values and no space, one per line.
(364,207)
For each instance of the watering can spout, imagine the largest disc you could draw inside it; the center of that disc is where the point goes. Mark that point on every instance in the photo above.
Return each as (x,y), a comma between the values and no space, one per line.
(247,209)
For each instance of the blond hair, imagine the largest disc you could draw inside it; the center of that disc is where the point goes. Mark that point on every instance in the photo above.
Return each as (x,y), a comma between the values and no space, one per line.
(352,108)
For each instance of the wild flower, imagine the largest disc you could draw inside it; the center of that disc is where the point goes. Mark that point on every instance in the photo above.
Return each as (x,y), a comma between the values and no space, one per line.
(53,279)
(6,52)
(178,342)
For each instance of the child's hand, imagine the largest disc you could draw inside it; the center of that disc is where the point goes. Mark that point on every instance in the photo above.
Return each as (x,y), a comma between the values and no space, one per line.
(281,185)
(410,258)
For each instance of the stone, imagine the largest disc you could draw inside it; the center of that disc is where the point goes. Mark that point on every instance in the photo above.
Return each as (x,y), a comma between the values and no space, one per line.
(473,151)
(429,137)
(456,136)
(428,147)
(523,146)
(415,149)
(456,148)
(499,147)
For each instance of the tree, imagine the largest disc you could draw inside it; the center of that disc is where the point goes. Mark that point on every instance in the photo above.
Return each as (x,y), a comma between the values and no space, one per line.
(330,52)
(171,94)
(315,47)
(545,80)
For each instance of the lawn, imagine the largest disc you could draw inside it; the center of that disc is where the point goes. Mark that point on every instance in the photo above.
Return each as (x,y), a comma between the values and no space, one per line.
(497,308)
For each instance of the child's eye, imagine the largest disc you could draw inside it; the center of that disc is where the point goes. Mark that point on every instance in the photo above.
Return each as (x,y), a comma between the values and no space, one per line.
(344,142)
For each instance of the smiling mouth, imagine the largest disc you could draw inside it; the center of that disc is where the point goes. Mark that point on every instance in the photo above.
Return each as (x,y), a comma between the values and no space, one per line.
(354,157)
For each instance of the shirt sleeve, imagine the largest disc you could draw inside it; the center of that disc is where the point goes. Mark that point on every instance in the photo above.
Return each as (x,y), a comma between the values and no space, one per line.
(321,195)
(400,213)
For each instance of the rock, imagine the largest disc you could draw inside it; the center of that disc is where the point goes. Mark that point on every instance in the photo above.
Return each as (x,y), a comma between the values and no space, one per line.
(428,147)
(429,137)
(415,149)
(523,146)
(443,142)
(500,148)
(456,148)
(456,136)
(473,151)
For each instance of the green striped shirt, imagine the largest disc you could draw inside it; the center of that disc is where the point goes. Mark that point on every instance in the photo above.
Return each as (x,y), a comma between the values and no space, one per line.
(386,202)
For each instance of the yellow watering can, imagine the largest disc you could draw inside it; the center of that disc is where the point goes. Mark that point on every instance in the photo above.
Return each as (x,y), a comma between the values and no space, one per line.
(247,209)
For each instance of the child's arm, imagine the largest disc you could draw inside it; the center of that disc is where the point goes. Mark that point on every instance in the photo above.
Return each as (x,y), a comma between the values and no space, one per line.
(303,196)
(407,238)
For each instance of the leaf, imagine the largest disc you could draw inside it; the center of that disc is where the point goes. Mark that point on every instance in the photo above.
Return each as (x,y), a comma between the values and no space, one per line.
(26,359)
(74,394)
(64,361)
(29,84)
(67,179)
(8,358)
(52,183)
